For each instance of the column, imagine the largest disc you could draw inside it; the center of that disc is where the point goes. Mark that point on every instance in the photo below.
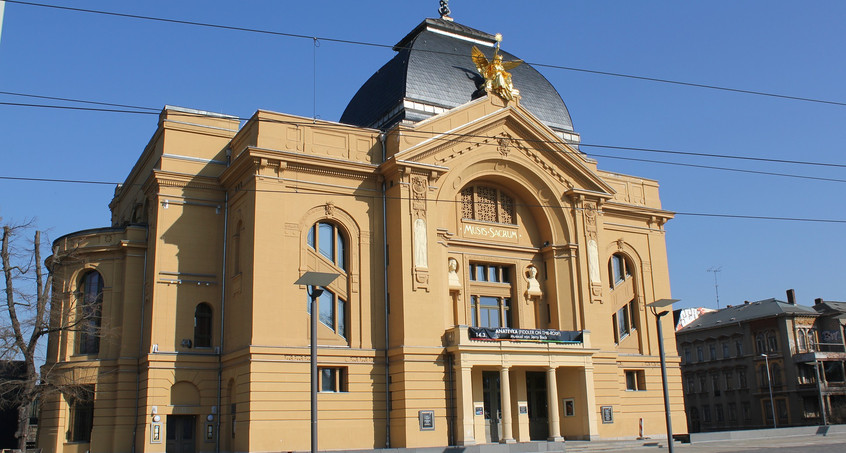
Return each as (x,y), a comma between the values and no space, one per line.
(552,406)
(505,402)
(464,411)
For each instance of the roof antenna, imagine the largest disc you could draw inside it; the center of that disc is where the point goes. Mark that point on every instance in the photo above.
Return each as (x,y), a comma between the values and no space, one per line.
(443,10)
(716,269)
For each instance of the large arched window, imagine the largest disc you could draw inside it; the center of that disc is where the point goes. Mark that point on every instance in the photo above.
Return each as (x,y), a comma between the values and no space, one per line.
(90,312)
(327,239)
(487,204)
(203,326)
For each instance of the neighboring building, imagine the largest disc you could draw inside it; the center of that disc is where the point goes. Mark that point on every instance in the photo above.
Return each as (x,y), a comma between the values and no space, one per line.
(452,216)
(685,316)
(724,371)
(10,370)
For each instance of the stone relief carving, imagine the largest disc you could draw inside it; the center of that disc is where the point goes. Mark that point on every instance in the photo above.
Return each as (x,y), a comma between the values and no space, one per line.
(419,186)
(533,286)
(453,278)
(420,244)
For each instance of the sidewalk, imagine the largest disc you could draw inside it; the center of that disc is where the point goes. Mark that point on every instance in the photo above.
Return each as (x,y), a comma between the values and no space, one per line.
(727,441)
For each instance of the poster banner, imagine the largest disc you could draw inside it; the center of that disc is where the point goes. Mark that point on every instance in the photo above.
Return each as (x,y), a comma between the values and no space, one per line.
(508,333)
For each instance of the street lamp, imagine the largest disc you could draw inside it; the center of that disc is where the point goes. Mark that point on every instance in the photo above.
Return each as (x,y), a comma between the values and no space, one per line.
(316,281)
(770,386)
(654,306)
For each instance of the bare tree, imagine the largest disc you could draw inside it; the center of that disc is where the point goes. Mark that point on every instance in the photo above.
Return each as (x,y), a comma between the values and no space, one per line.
(29,311)
(28,321)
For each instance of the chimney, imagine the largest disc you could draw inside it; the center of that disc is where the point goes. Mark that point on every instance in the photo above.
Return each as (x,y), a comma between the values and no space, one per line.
(818,301)
(791,296)
(745,302)
(728,306)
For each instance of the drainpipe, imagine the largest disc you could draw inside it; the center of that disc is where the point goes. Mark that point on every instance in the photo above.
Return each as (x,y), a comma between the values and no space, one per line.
(140,338)
(222,312)
(382,138)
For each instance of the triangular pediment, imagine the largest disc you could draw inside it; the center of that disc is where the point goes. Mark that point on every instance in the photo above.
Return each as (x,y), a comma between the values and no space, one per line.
(492,129)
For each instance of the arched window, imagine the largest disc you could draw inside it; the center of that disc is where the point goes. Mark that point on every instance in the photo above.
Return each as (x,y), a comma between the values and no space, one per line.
(772,342)
(487,204)
(759,343)
(327,239)
(203,326)
(90,312)
(618,269)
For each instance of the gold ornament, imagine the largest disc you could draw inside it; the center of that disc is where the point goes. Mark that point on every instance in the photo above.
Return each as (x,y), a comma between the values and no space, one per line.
(495,72)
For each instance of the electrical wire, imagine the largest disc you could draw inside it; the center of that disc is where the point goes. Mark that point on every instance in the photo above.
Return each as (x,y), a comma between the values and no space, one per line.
(371,44)
(455,137)
(425,134)
(299,191)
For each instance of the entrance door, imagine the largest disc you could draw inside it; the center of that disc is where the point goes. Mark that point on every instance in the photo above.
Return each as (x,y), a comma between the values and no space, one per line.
(493,415)
(181,431)
(538,416)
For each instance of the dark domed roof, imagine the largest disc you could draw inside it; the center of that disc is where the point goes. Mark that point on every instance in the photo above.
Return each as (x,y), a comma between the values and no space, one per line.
(433,72)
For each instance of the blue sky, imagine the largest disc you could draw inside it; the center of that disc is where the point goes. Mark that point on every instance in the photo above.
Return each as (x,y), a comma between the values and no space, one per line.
(770,46)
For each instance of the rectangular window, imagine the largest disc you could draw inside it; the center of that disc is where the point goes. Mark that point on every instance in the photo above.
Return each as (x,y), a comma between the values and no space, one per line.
(741,378)
(729,380)
(491,312)
(732,412)
(700,356)
(691,383)
(706,413)
(725,350)
(702,386)
(635,380)
(738,345)
(718,411)
(332,311)
(327,309)
(712,350)
(332,380)
(715,381)
(81,403)
(781,411)
(686,355)
(747,410)
(623,322)
(342,317)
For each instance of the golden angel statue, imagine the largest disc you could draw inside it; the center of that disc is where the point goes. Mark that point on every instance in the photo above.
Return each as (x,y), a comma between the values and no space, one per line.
(497,77)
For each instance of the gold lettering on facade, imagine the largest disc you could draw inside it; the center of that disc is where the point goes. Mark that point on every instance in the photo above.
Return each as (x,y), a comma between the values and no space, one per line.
(489,232)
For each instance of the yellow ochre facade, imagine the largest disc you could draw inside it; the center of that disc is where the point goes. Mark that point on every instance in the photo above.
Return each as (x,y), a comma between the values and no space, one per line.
(476,222)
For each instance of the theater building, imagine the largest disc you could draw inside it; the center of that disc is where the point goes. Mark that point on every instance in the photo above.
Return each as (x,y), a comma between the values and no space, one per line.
(492,280)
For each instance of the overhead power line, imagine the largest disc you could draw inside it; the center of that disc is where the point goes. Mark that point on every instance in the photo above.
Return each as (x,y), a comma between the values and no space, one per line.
(298,191)
(371,44)
(461,138)
(156,111)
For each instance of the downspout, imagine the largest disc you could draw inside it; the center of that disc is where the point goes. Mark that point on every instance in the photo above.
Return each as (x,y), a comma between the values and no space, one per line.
(222,312)
(141,338)
(382,138)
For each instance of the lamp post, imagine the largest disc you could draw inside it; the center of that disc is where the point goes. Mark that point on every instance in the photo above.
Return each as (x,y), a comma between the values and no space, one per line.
(654,306)
(315,282)
(770,387)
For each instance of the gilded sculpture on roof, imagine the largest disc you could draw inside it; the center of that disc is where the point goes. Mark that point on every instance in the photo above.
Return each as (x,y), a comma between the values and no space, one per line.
(495,72)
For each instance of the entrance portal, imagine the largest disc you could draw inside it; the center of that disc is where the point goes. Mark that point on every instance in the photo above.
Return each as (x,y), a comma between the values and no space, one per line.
(493,414)
(181,431)
(538,415)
